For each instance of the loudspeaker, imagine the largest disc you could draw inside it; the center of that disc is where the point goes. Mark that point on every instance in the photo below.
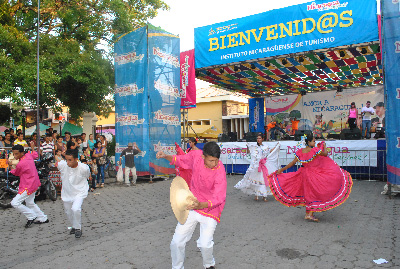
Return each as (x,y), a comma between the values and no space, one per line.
(223,138)
(350,134)
(251,137)
(232,136)
(299,133)
(333,136)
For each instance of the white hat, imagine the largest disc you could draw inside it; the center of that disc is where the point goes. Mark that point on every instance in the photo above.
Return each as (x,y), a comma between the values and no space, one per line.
(180,198)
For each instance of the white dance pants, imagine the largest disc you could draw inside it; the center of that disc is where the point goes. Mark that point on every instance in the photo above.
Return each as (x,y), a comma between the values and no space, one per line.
(30,210)
(134,176)
(73,209)
(183,233)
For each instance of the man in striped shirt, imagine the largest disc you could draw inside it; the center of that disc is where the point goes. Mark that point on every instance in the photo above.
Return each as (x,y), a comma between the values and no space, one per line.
(47,148)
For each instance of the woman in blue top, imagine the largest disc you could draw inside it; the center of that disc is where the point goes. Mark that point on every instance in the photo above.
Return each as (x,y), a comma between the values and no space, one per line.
(91,142)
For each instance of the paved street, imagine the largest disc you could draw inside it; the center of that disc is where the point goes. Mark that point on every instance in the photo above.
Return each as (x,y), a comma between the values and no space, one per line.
(132,228)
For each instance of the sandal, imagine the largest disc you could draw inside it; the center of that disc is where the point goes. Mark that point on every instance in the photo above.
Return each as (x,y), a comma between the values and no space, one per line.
(311,217)
(265,199)
(97,185)
(256,198)
(102,185)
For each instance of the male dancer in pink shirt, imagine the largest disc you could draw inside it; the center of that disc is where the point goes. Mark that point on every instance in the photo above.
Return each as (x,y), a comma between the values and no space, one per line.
(29,182)
(208,185)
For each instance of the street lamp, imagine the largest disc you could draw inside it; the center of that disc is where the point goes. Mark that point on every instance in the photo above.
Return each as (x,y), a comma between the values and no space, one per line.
(23,114)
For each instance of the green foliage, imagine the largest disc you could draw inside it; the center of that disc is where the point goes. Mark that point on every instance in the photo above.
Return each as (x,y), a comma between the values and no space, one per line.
(74,70)
(295,114)
(111,147)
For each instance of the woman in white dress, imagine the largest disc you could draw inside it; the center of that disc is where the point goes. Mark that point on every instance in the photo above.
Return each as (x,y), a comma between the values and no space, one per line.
(253,181)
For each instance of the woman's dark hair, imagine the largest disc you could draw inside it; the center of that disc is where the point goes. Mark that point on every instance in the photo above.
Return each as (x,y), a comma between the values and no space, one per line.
(353,103)
(70,144)
(193,140)
(309,138)
(18,147)
(72,152)
(260,135)
(211,149)
(97,142)
(58,137)
(57,150)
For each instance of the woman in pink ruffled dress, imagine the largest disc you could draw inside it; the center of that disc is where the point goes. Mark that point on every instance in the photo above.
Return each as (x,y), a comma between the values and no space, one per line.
(319,185)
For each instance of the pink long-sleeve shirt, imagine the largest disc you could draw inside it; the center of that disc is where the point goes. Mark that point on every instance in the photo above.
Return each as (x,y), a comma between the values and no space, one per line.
(207,185)
(28,176)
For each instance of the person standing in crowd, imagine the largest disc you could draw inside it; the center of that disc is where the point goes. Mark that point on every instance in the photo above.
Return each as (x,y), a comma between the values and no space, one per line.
(99,154)
(20,140)
(208,185)
(67,137)
(86,157)
(129,154)
(60,145)
(253,181)
(74,178)
(71,144)
(275,127)
(1,141)
(84,141)
(7,141)
(47,148)
(33,137)
(97,137)
(58,156)
(91,142)
(320,184)
(54,134)
(366,112)
(80,146)
(295,125)
(192,144)
(103,143)
(13,135)
(353,113)
(28,185)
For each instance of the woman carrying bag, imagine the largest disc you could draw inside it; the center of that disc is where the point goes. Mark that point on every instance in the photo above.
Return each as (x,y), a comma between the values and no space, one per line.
(99,154)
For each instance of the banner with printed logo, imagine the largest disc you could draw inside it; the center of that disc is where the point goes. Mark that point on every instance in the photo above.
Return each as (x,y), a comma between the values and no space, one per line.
(188,80)
(391,62)
(164,98)
(147,98)
(305,27)
(131,93)
(256,115)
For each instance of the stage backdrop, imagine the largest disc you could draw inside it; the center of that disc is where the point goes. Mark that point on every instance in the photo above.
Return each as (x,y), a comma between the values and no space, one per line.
(325,112)
(304,27)
(391,62)
(147,98)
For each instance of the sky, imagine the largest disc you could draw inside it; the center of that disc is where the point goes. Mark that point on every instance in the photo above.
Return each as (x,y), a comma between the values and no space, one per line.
(185,15)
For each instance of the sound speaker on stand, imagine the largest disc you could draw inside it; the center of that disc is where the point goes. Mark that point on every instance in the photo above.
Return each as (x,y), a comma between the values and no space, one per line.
(350,134)
(232,136)
(223,138)
(251,137)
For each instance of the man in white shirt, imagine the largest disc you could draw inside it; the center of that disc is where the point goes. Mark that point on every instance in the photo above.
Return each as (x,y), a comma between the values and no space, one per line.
(366,112)
(74,177)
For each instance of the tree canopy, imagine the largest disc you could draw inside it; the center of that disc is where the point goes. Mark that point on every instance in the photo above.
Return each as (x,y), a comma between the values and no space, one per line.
(76,36)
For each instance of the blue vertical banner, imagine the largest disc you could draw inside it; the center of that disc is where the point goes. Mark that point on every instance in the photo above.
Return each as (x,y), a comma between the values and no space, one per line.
(256,115)
(145,112)
(164,97)
(131,94)
(391,63)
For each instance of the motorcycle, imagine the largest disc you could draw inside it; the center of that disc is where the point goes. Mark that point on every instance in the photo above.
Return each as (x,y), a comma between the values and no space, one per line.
(9,184)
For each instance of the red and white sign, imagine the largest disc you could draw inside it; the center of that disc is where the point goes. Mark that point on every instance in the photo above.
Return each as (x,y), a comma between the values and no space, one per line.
(188,80)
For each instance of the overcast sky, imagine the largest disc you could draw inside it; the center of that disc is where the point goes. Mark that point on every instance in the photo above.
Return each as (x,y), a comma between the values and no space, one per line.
(185,15)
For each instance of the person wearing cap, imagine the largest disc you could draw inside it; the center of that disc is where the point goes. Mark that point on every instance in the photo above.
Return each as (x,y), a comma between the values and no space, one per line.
(208,185)
(352,120)
(380,112)
(366,112)
(129,154)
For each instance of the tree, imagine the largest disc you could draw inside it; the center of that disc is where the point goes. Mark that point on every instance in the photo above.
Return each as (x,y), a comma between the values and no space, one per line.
(76,68)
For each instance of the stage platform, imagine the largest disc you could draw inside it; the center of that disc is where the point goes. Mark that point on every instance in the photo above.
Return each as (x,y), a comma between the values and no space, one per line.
(363,158)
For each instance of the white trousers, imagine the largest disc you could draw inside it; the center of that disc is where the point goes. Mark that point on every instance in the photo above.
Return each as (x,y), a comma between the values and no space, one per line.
(134,176)
(31,210)
(73,209)
(183,233)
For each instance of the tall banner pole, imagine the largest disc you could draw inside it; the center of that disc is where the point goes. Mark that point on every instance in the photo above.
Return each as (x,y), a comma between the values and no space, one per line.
(37,84)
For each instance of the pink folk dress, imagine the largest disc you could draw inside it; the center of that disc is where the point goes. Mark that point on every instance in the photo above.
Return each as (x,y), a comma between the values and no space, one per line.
(319,185)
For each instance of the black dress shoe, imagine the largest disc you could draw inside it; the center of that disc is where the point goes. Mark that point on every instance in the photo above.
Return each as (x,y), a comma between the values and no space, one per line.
(78,233)
(211,267)
(72,231)
(29,223)
(41,222)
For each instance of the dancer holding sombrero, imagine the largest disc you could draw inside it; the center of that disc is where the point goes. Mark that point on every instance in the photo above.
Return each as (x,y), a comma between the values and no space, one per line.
(208,185)
(319,185)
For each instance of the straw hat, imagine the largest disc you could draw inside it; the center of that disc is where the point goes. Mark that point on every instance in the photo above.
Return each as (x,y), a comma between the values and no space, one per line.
(180,199)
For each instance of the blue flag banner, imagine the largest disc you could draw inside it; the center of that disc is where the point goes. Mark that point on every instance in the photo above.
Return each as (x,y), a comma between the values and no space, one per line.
(144,73)
(391,63)
(305,27)
(256,115)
